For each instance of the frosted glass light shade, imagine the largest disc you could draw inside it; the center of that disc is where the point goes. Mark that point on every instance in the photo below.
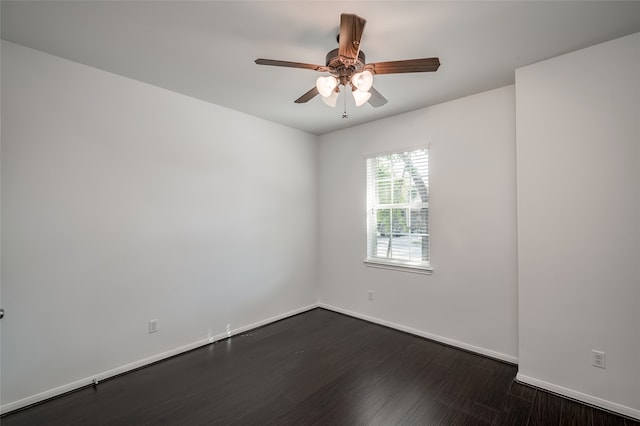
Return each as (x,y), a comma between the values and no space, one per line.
(363,80)
(361,97)
(331,100)
(325,85)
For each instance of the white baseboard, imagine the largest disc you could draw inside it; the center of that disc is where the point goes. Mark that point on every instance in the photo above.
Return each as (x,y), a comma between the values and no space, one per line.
(579,396)
(569,393)
(24,402)
(275,318)
(588,399)
(482,351)
(33,399)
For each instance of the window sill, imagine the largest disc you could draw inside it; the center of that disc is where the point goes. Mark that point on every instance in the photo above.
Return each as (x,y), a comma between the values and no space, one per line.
(426,270)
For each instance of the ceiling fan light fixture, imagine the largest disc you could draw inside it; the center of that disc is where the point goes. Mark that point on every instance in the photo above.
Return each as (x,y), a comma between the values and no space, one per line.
(362,80)
(361,97)
(347,66)
(332,99)
(326,85)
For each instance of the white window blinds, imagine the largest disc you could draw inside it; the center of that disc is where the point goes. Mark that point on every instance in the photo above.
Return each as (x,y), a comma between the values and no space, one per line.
(398,209)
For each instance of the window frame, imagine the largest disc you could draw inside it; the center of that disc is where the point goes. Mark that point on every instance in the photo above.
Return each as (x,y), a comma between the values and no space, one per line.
(372,207)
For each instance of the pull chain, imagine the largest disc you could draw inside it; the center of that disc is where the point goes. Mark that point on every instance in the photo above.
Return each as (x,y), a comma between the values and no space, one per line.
(344,114)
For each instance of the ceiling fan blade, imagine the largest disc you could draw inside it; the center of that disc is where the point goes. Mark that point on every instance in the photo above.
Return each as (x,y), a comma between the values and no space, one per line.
(307,96)
(409,65)
(351,29)
(376,100)
(288,64)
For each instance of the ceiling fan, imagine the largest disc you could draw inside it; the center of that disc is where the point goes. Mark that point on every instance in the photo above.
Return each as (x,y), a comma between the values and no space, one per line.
(348,67)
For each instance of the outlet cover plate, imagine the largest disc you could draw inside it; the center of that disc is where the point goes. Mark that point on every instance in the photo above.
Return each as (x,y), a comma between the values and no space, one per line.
(598,359)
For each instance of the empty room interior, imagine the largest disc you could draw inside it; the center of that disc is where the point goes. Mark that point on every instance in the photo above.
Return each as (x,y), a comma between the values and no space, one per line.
(320,194)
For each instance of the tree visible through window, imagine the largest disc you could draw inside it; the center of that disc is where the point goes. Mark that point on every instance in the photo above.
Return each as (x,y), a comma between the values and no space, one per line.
(398,209)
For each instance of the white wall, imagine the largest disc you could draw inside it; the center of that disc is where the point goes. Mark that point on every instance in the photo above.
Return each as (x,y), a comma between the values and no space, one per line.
(471,298)
(578,143)
(123,202)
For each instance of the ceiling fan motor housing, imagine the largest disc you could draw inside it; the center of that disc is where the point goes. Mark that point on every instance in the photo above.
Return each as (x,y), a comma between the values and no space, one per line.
(343,71)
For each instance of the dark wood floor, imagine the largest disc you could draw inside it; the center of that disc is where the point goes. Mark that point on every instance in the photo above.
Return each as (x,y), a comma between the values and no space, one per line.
(322,368)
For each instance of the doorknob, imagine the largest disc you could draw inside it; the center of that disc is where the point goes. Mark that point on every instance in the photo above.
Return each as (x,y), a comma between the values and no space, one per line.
(1,313)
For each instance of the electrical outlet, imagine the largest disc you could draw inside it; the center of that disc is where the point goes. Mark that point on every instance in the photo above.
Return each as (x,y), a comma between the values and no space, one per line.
(153,326)
(371,295)
(598,359)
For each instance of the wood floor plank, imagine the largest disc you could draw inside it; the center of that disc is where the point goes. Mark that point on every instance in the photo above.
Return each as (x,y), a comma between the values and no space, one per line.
(575,414)
(522,391)
(603,418)
(319,367)
(515,411)
(546,410)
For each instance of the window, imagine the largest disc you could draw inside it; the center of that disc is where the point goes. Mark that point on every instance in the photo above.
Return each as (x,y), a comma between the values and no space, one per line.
(398,210)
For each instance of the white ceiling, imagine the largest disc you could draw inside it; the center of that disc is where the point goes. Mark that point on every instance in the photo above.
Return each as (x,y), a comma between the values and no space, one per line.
(206,49)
